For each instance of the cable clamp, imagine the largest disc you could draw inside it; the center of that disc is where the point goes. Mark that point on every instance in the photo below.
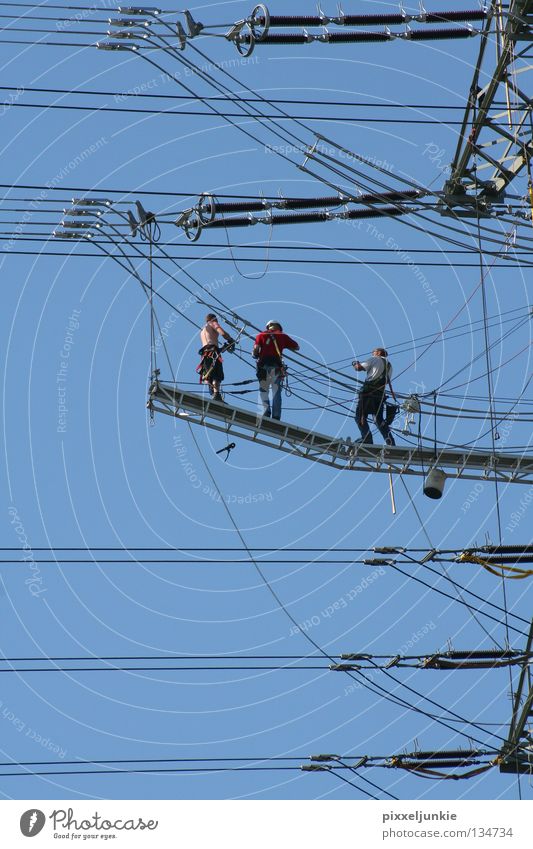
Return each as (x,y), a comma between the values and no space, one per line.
(243,38)
(194,27)
(309,152)
(137,10)
(429,556)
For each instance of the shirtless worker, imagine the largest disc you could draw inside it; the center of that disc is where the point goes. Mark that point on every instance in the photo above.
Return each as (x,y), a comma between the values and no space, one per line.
(210,368)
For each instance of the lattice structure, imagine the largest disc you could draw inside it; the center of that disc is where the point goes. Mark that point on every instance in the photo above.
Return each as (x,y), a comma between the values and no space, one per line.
(496,144)
(517,753)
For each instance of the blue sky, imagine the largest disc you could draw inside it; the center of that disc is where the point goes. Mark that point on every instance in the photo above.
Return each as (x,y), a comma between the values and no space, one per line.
(103,475)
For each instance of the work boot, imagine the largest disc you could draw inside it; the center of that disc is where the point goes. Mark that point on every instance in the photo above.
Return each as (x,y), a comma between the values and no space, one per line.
(364,440)
(218,397)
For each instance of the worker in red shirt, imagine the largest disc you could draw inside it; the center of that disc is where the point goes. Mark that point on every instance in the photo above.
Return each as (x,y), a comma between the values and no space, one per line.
(267,350)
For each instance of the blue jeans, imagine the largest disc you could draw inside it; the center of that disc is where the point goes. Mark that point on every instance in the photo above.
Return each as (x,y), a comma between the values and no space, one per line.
(271,381)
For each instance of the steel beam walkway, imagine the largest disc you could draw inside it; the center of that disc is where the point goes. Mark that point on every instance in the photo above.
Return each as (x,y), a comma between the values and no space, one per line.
(338,452)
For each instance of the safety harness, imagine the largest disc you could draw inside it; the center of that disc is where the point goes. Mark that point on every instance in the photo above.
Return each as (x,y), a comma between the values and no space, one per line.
(283,367)
(379,383)
(211,355)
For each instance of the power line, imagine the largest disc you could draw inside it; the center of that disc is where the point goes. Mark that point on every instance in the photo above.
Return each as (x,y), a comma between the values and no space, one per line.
(237,99)
(391,263)
(359,675)
(194,113)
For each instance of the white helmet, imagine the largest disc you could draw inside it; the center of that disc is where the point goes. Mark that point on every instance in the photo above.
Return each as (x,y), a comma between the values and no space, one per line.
(270,323)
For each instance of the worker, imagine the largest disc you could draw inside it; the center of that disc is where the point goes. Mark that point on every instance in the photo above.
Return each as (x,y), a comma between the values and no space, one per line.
(372,396)
(267,350)
(210,369)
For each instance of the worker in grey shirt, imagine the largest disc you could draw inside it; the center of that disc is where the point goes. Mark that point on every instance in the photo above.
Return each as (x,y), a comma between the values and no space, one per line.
(371,399)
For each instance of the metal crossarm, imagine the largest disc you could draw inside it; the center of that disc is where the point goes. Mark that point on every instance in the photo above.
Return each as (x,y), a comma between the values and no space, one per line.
(335,451)
(508,133)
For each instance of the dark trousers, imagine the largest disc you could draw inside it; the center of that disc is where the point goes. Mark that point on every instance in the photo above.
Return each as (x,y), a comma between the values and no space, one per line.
(371,402)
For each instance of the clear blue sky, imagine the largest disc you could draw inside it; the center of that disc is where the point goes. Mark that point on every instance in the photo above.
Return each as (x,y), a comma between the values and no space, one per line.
(104,476)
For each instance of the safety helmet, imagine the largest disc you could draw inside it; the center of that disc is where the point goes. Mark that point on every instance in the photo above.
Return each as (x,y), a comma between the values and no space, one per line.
(270,323)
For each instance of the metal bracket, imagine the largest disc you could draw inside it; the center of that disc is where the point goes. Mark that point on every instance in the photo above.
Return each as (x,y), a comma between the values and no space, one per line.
(132,221)
(259,31)
(182,36)
(205,208)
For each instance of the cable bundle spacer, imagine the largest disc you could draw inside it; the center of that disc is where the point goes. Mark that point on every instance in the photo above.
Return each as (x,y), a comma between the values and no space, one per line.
(114,45)
(126,34)
(80,225)
(429,556)
(91,202)
(353,656)
(69,234)
(127,22)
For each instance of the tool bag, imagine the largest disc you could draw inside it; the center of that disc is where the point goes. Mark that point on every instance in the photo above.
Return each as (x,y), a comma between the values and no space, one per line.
(391,411)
